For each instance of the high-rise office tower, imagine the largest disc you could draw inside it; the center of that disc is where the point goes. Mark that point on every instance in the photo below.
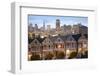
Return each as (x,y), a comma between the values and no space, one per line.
(57,25)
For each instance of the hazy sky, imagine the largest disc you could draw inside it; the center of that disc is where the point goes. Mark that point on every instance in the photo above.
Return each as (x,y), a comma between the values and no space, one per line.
(51,20)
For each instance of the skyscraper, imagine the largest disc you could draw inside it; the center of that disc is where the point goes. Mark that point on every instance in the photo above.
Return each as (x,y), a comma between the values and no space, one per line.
(36,27)
(44,25)
(30,27)
(48,28)
(57,24)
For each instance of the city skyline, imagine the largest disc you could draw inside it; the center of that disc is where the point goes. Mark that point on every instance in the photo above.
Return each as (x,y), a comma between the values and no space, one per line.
(51,20)
(49,37)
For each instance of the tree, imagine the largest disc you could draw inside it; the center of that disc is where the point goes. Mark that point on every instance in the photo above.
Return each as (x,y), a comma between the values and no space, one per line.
(76,37)
(35,56)
(72,55)
(60,55)
(49,56)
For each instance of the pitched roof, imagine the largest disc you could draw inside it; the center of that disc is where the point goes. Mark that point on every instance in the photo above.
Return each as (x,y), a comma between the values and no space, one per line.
(64,38)
(76,37)
(40,39)
(55,37)
(67,37)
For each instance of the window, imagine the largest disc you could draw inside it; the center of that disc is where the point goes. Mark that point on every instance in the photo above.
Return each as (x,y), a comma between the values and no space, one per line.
(58,40)
(49,41)
(49,46)
(35,42)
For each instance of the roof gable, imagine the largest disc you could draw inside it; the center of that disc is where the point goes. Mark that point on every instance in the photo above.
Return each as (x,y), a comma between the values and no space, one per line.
(70,38)
(59,40)
(35,42)
(47,41)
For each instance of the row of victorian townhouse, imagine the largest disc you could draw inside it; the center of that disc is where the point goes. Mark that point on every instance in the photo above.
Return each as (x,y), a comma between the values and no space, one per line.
(65,44)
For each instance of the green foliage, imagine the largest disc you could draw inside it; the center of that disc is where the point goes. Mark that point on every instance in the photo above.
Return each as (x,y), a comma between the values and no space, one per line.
(85,55)
(49,56)
(73,55)
(35,56)
(60,55)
